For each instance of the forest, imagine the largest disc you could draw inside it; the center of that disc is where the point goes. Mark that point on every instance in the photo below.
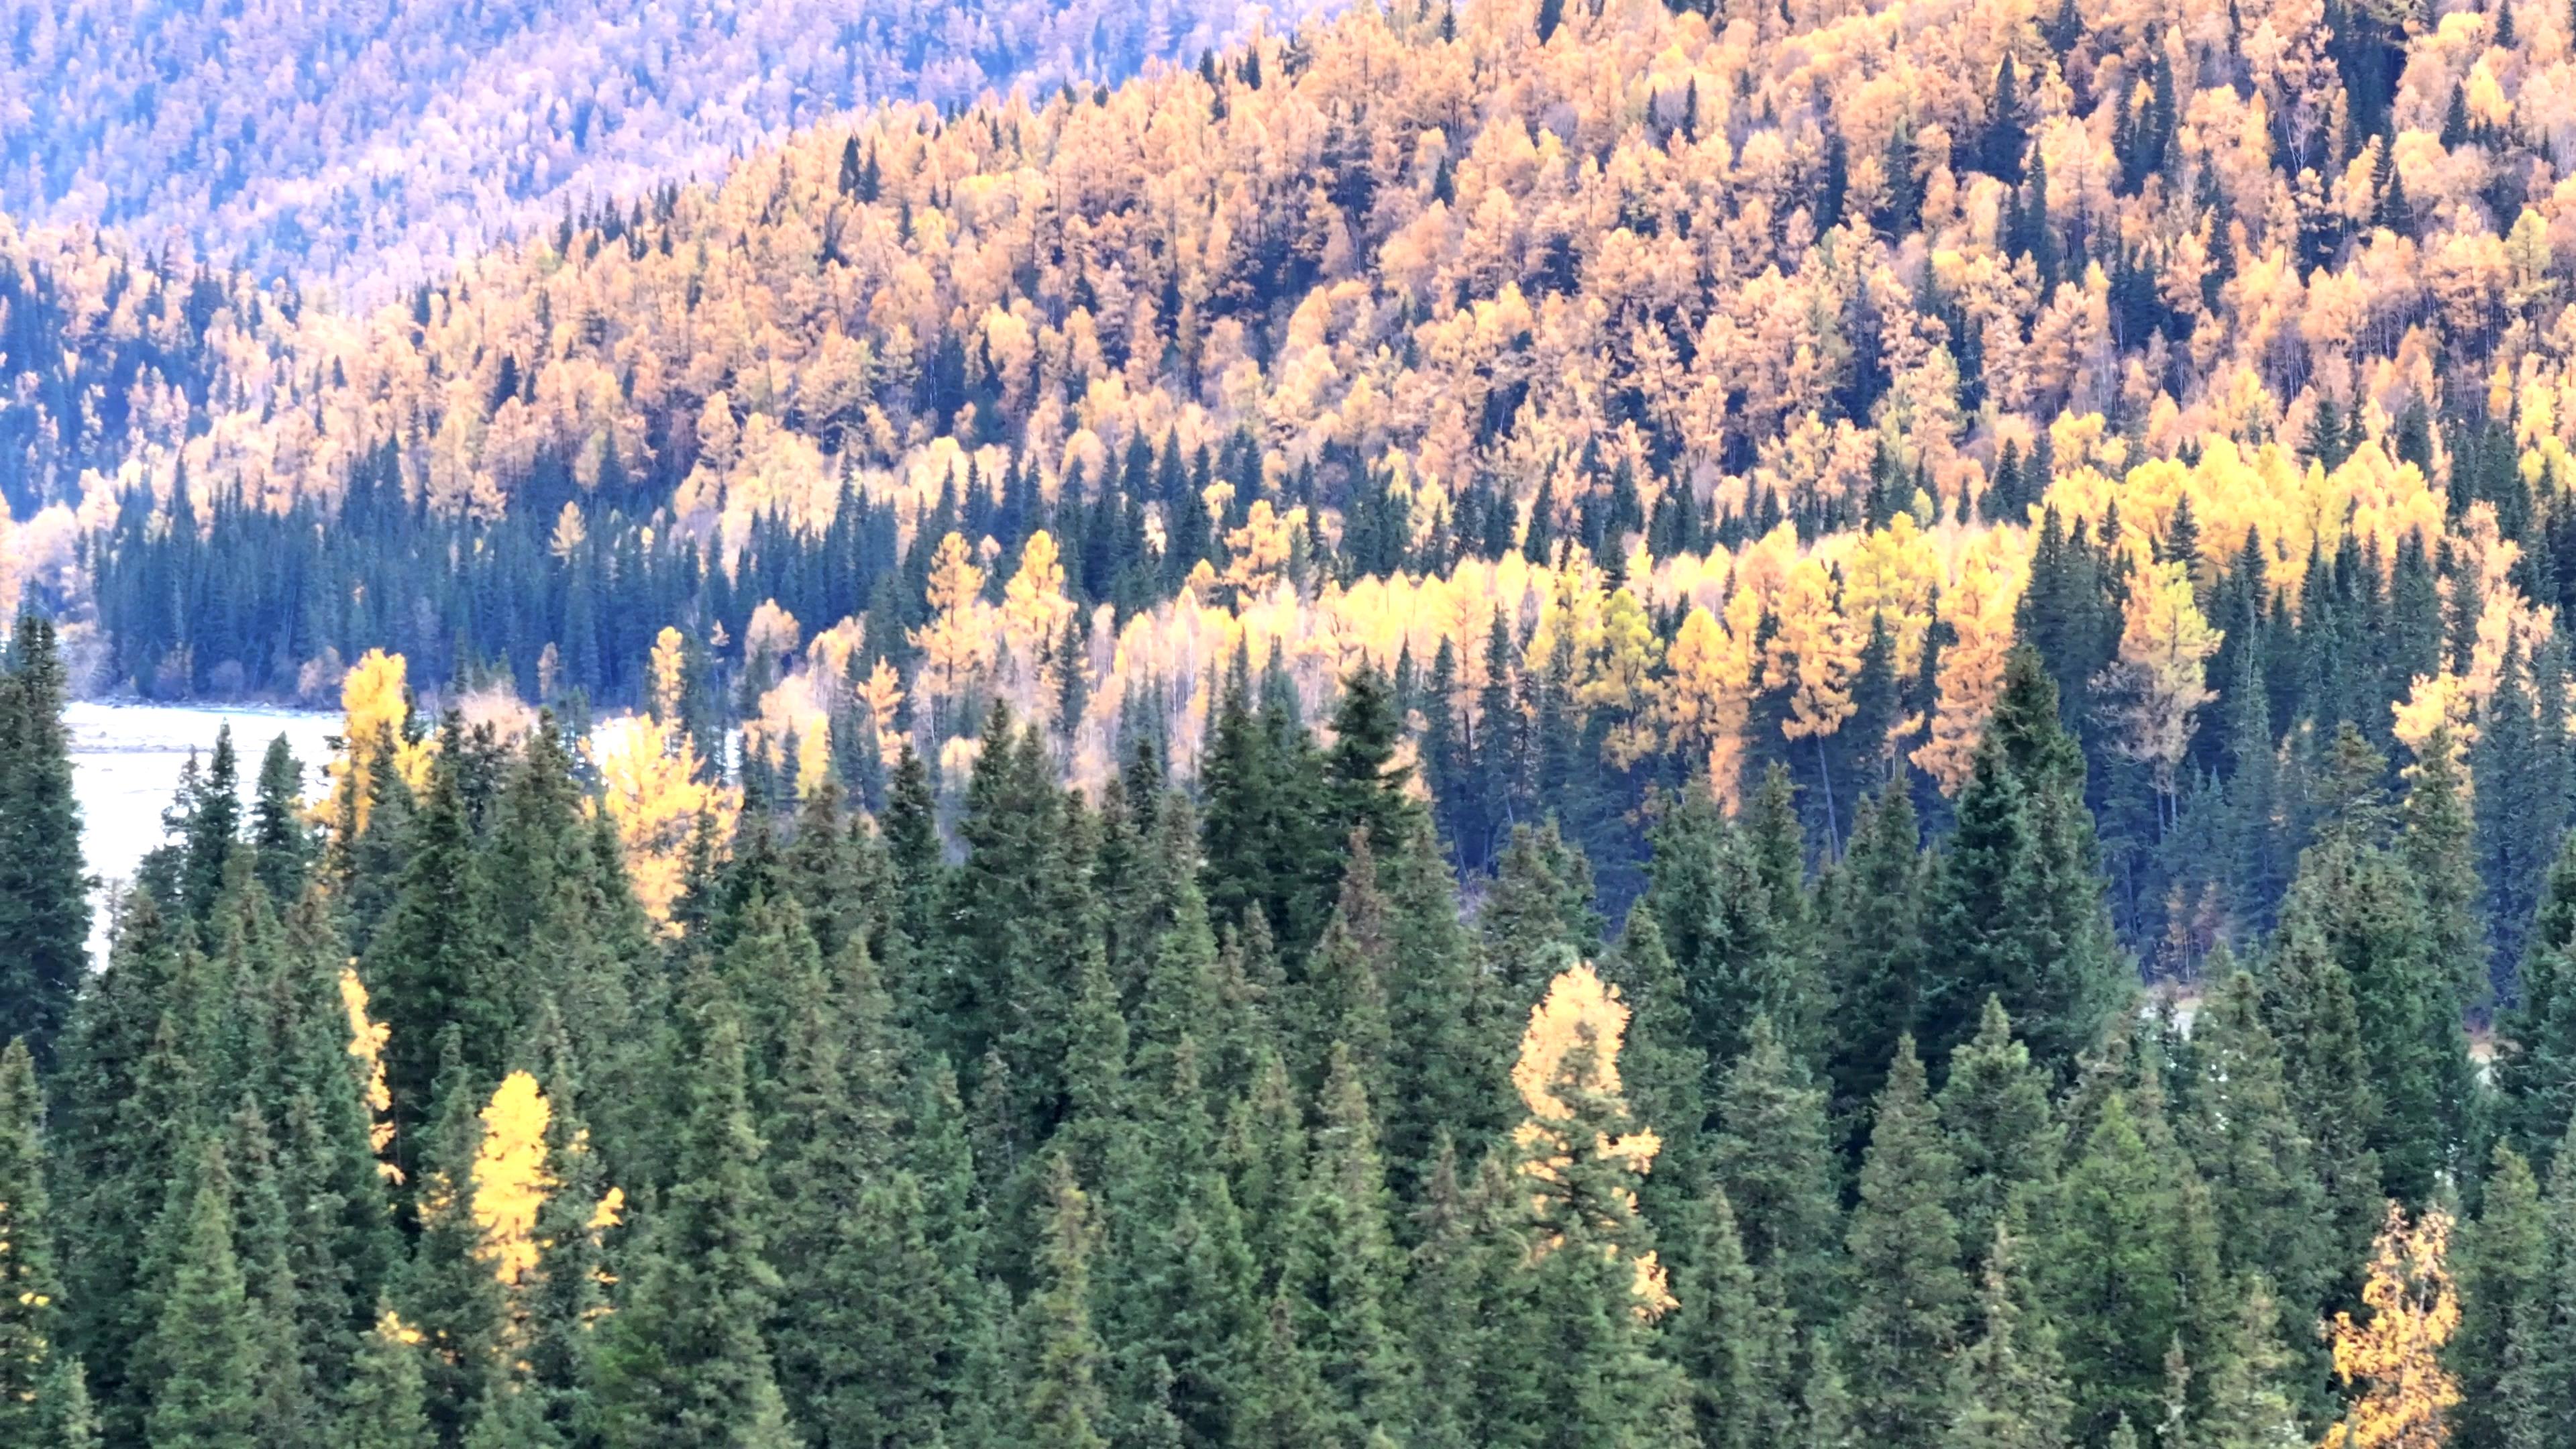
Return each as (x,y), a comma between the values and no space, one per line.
(1534,723)
(1208,1117)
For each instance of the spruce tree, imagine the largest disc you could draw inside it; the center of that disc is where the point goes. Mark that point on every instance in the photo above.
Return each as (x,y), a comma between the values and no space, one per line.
(2000,1129)
(686,1362)
(432,967)
(2242,1130)
(30,1280)
(2123,1273)
(1733,1346)
(2502,1268)
(1904,1248)
(382,1405)
(1062,1403)
(2535,1067)
(1341,1265)
(1774,1159)
(205,1350)
(283,842)
(1873,934)
(44,895)
(2016,905)
(2008,1388)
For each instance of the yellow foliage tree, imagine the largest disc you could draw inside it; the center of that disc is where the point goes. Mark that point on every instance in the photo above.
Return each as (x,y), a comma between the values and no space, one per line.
(1034,607)
(2161,674)
(954,644)
(375,702)
(667,673)
(1576,1146)
(2396,1357)
(511,1180)
(367,1046)
(650,786)
(1970,679)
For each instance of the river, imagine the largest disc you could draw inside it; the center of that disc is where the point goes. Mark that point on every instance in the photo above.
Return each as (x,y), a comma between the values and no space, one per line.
(126,760)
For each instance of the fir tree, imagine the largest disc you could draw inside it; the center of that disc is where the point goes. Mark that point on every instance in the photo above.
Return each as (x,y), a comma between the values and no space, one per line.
(206,1347)
(2016,905)
(2008,1388)
(30,1281)
(382,1404)
(686,1362)
(1905,1247)
(44,896)
(2000,1129)
(1062,1403)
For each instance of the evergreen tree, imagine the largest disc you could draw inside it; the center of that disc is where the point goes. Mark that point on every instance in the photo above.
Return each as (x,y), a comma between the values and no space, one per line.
(2008,1389)
(1873,934)
(2502,1275)
(1062,1403)
(277,829)
(2016,904)
(206,1348)
(686,1362)
(1905,1248)
(382,1404)
(2000,1129)
(30,1281)
(1774,1160)
(44,896)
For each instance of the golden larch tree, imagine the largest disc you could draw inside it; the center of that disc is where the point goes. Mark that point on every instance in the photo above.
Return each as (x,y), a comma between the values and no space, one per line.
(1577,1147)
(2394,1358)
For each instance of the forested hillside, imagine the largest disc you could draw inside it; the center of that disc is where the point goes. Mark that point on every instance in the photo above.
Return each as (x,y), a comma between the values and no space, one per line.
(1646,393)
(1468,726)
(1159,1121)
(374,144)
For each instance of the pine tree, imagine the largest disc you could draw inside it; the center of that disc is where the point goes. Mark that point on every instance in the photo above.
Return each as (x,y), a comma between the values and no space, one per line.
(431,966)
(2243,1134)
(2000,1129)
(1873,934)
(44,896)
(277,829)
(1905,1251)
(2503,1283)
(1732,1345)
(2016,905)
(1774,1160)
(2123,1272)
(1341,1263)
(2535,1069)
(2361,905)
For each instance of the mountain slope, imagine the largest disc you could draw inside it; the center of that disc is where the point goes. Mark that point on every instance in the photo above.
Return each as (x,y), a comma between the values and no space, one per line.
(383,141)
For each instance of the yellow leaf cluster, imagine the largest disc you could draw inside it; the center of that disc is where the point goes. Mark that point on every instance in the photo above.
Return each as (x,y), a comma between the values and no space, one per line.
(367,1046)
(511,1179)
(1571,1049)
(666,674)
(2396,1357)
(374,703)
(650,788)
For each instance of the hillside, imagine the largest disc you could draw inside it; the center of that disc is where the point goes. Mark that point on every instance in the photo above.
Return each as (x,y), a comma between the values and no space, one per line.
(1554,723)
(1363,339)
(373,144)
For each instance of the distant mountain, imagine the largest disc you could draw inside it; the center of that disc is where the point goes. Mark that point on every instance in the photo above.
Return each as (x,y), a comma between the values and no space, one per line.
(364,139)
